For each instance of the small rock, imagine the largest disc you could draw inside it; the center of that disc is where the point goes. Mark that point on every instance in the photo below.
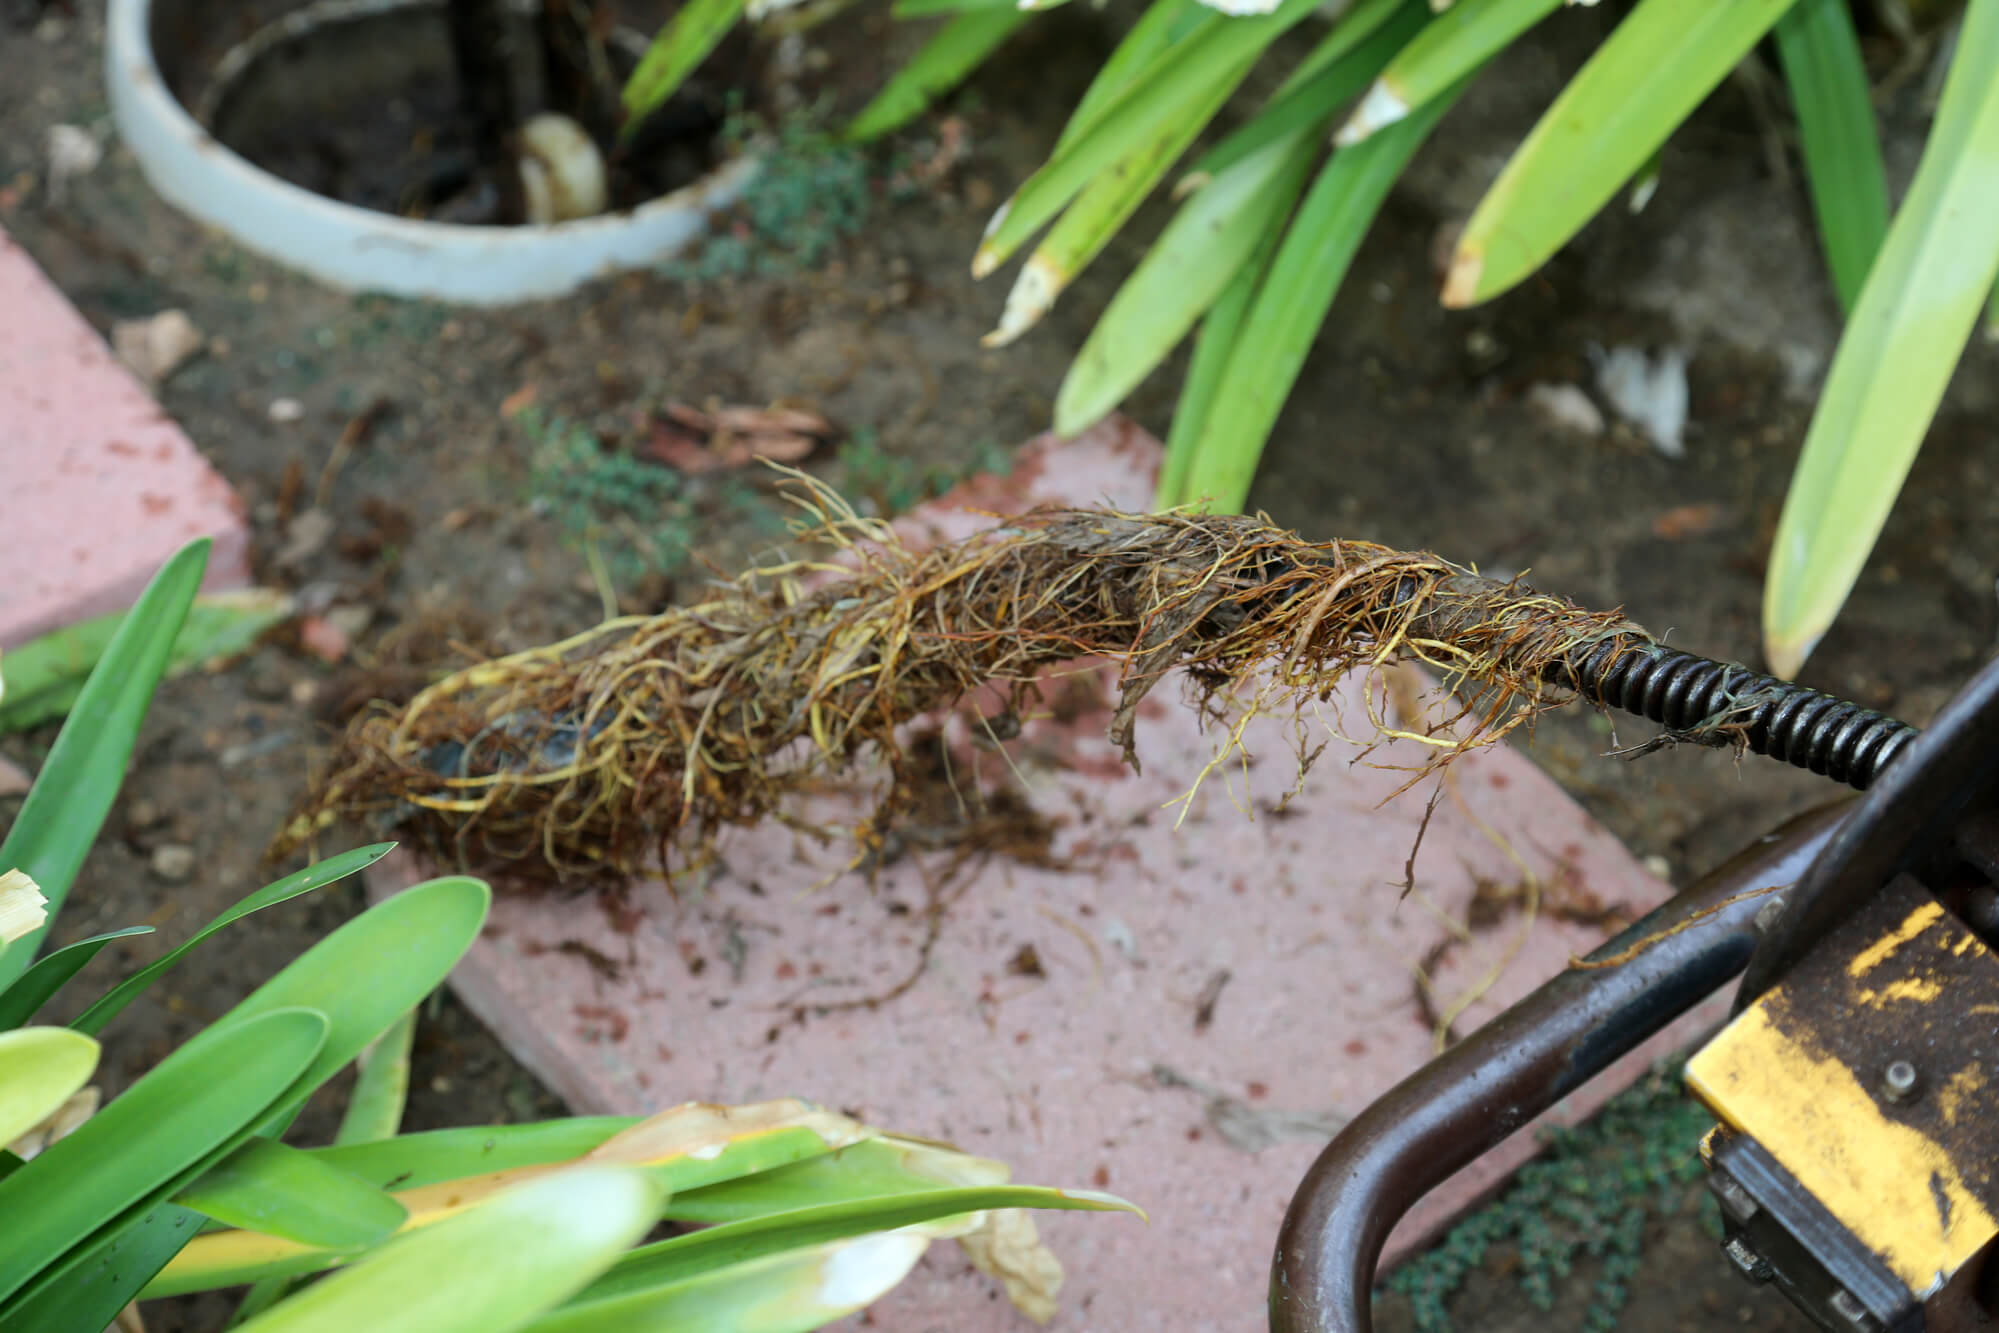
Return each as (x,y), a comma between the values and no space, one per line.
(173,861)
(157,346)
(144,814)
(317,597)
(1683,521)
(1566,407)
(285,411)
(1658,867)
(304,536)
(72,151)
(304,692)
(265,682)
(351,620)
(1444,246)
(14,780)
(323,639)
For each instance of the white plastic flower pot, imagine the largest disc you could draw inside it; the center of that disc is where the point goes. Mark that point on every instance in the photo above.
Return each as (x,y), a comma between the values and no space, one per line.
(357,248)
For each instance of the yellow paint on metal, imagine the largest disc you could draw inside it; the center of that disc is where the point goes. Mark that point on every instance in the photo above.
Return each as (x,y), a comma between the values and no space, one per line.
(1953,1094)
(1919,989)
(1877,953)
(1893,1187)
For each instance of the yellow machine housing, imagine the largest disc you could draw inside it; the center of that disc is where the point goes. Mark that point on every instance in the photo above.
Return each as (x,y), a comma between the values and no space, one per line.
(1867,1075)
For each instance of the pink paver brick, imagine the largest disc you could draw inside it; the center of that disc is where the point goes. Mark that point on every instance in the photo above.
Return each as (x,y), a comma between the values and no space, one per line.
(1065,1074)
(101,486)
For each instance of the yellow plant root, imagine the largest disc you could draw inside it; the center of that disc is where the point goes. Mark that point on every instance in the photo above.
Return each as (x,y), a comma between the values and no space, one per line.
(604,753)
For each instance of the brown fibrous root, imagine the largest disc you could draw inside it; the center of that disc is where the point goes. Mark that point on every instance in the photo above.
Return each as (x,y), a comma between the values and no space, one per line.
(612,751)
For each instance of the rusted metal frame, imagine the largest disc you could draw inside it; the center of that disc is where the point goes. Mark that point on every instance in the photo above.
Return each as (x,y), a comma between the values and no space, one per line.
(1472,1097)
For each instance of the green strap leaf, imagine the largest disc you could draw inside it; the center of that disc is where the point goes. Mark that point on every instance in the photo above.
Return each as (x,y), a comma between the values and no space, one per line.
(1359,45)
(1461,40)
(1908,330)
(691,1145)
(1105,204)
(1359,23)
(957,49)
(35,987)
(88,1286)
(1164,23)
(39,1069)
(782,1293)
(1172,85)
(318,876)
(488,1270)
(374,1112)
(1654,70)
(411,1160)
(687,1258)
(280,1191)
(185,1107)
(881,1167)
(1293,301)
(921,9)
(73,793)
(369,972)
(1220,329)
(1821,58)
(381,1086)
(1215,233)
(43,678)
(1194,260)
(693,33)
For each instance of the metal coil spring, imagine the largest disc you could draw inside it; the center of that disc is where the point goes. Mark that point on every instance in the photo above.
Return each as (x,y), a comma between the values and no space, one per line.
(1715,702)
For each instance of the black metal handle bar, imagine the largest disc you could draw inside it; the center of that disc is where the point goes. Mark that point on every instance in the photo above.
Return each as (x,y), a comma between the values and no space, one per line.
(1466,1101)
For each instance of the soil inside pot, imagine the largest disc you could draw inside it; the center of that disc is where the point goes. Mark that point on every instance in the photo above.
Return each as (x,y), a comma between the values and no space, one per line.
(363,104)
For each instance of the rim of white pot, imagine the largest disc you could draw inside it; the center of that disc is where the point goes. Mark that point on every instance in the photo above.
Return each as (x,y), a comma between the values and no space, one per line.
(362,250)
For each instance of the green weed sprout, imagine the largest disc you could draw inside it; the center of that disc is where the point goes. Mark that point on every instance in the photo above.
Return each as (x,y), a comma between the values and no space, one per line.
(811,192)
(1593,1192)
(613,507)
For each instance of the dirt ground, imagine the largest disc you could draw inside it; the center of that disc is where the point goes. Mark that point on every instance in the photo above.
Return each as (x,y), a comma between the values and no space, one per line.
(1410,426)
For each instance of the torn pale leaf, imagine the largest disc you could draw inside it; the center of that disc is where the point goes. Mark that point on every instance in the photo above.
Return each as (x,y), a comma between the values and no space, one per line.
(58,1124)
(23,906)
(1009,1248)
